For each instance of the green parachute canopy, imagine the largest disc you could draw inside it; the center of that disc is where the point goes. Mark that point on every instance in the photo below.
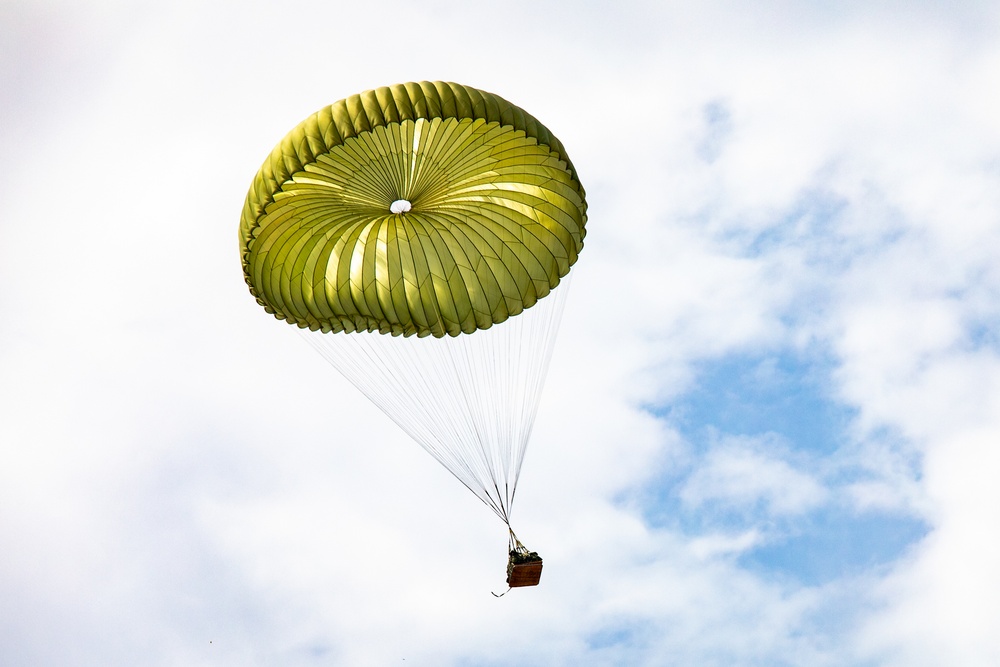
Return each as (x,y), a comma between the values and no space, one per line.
(420,208)
(449,218)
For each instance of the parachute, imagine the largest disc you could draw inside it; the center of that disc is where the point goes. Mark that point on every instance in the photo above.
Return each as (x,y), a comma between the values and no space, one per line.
(421,236)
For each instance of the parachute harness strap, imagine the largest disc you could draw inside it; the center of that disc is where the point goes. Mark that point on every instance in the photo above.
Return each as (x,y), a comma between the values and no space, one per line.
(515,544)
(515,547)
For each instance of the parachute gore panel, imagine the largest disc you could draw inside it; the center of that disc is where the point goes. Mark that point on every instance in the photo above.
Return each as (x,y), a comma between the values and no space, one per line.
(420,208)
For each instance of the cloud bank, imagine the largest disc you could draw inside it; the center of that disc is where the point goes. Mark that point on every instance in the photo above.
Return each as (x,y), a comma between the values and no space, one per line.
(769,432)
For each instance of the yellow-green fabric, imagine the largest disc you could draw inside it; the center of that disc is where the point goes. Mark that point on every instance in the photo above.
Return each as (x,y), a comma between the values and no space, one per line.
(497,215)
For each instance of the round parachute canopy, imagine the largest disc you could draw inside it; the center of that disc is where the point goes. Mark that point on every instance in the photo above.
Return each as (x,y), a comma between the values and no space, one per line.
(416,209)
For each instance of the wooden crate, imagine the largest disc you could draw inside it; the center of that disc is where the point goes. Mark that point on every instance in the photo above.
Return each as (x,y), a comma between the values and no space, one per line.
(524,574)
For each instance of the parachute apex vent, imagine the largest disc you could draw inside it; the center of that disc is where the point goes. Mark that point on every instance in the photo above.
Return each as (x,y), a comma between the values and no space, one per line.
(399,206)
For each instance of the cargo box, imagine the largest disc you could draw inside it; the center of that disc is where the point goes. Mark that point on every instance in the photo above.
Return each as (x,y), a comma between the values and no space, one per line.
(523,569)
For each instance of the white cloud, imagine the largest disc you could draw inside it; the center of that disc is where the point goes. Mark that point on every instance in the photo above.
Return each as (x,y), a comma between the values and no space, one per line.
(742,474)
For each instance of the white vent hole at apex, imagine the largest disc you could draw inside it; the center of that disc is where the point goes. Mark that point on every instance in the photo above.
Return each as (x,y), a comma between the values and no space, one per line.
(399,206)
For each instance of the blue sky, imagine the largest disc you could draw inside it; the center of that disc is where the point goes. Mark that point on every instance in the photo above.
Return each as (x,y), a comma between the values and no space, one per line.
(778,399)
(769,433)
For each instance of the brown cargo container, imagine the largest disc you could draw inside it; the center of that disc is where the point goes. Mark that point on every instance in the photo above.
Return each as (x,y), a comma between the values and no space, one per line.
(524,573)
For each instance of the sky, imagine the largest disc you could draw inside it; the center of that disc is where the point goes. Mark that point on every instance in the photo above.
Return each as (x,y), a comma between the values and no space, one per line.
(771,429)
